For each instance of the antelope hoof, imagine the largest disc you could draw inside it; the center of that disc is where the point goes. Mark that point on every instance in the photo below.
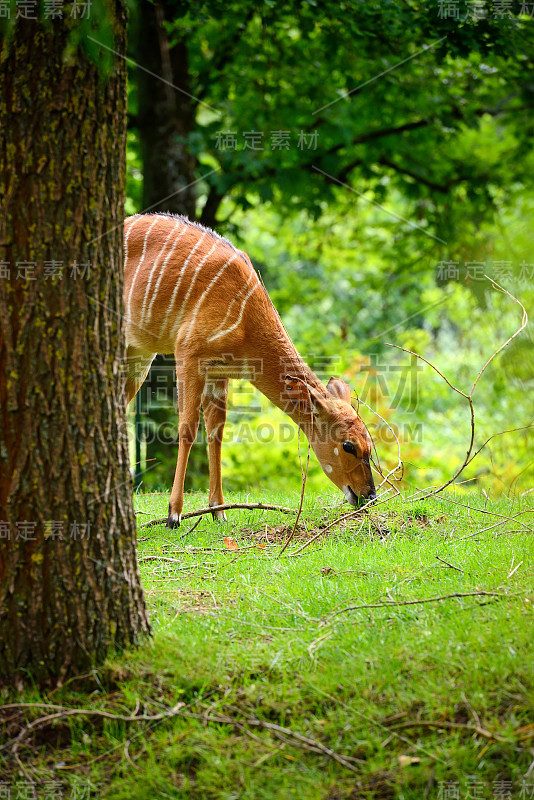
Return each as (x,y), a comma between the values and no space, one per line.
(173,520)
(218,516)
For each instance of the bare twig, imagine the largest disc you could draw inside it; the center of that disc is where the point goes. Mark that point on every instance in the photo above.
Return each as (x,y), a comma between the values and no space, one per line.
(396,603)
(224,507)
(331,524)
(304,474)
(399,464)
(449,565)
(374,722)
(61,712)
(485,511)
(278,730)
(469,397)
(452,725)
(191,529)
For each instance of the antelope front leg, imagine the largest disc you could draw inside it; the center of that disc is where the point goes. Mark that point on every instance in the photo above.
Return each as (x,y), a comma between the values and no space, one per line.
(190,386)
(214,404)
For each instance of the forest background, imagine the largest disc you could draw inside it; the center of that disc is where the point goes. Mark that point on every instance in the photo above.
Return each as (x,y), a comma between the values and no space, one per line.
(375,161)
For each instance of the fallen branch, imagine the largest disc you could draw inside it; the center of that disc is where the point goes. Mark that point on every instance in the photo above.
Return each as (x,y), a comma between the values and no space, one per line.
(311,744)
(224,507)
(470,455)
(396,603)
(62,712)
(491,513)
(350,515)
(453,725)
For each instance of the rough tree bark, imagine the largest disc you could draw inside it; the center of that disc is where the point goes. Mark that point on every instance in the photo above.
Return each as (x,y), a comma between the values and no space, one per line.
(69,582)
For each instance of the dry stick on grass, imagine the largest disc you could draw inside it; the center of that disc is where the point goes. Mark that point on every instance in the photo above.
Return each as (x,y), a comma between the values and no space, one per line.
(376,723)
(396,603)
(304,474)
(222,566)
(61,712)
(173,560)
(305,741)
(349,515)
(191,529)
(450,565)
(490,513)
(453,725)
(399,465)
(142,732)
(489,528)
(224,507)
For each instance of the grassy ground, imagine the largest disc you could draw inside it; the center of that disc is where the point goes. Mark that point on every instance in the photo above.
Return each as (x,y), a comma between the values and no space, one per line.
(379,700)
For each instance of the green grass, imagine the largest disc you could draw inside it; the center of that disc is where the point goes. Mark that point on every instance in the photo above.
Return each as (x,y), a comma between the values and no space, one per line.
(247,634)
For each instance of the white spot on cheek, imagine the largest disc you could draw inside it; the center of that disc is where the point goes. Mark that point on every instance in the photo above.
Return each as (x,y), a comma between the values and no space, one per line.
(336,451)
(328,468)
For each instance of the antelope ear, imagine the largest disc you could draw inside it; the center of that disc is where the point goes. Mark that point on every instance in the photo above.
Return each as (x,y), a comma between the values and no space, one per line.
(307,399)
(339,389)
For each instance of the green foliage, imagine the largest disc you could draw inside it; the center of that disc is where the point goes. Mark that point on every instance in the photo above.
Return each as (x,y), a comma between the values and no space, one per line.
(436,93)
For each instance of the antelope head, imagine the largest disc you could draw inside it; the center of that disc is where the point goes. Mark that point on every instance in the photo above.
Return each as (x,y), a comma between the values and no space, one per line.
(337,436)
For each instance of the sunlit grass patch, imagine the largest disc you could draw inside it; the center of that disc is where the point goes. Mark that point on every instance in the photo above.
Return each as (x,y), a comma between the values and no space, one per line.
(399,641)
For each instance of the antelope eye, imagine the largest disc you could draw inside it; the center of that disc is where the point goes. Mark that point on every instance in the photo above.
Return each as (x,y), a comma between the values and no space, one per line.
(348,447)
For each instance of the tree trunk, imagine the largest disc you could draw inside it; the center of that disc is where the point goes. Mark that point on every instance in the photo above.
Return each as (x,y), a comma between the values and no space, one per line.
(69,582)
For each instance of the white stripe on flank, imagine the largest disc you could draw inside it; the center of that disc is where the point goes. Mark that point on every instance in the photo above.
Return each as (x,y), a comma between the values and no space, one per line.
(177,287)
(145,242)
(240,317)
(203,297)
(133,220)
(186,298)
(156,262)
(234,300)
(197,270)
(162,270)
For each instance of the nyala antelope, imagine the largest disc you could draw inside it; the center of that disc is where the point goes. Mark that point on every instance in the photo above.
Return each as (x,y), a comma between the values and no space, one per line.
(189,292)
